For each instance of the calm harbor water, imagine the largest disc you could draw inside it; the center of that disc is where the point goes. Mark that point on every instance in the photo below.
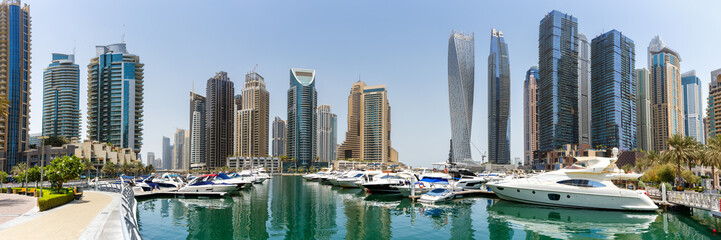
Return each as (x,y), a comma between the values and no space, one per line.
(287,207)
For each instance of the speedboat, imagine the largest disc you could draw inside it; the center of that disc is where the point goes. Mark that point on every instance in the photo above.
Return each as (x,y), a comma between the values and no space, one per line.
(349,174)
(169,181)
(261,173)
(205,183)
(427,182)
(586,184)
(387,183)
(466,180)
(437,195)
(238,181)
(355,181)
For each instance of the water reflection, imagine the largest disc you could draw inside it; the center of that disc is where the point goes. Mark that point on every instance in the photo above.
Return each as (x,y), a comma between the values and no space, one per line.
(290,208)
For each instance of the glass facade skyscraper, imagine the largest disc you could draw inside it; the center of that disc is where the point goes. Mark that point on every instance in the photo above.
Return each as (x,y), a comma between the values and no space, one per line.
(115,97)
(15,77)
(499,89)
(220,106)
(692,106)
(302,122)
(666,93)
(584,90)
(279,136)
(197,130)
(530,116)
(327,134)
(461,70)
(644,132)
(61,97)
(558,81)
(613,91)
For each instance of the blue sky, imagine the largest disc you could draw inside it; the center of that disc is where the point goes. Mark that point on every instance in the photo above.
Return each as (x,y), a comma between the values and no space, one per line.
(403,44)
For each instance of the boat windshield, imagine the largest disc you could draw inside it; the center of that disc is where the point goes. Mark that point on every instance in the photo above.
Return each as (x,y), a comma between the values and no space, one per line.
(434,180)
(358,175)
(581,183)
(438,192)
(387,177)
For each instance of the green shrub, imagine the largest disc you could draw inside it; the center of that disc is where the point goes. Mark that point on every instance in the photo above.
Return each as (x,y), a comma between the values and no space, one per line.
(49,200)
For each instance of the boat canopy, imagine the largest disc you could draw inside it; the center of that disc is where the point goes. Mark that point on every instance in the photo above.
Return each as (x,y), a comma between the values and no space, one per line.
(434,180)
(223,176)
(438,192)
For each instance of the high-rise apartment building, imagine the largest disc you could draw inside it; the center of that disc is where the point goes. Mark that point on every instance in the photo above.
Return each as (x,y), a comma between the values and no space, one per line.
(151,159)
(369,126)
(530,116)
(326,134)
(252,118)
(279,136)
(115,97)
(692,105)
(713,108)
(198,104)
(558,81)
(219,120)
(613,91)
(584,90)
(181,150)
(644,132)
(461,70)
(167,154)
(499,97)
(351,146)
(61,97)
(15,26)
(302,104)
(666,93)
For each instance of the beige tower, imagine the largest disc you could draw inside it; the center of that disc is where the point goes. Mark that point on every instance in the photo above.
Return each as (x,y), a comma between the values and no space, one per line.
(530,115)
(369,126)
(713,110)
(252,119)
(666,93)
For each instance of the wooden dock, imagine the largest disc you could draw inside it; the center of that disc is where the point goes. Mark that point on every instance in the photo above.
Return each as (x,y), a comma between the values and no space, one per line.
(174,193)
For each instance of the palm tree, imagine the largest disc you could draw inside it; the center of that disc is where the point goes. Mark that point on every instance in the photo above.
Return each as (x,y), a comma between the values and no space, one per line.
(149,169)
(713,156)
(138,168)
(88,166)
(18,169)
(125,168)
(682,150)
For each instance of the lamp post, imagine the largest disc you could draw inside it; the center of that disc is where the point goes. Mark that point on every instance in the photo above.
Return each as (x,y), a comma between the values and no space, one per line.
(42,163)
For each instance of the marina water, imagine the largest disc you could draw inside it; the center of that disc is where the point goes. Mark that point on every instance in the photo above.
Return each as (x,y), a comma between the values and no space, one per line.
(287,207)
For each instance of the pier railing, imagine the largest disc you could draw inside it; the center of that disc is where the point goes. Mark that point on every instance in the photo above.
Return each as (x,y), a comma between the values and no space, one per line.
(705,201)
(128,212)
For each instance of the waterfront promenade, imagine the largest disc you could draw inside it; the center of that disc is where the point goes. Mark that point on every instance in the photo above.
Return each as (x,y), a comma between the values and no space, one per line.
(95,216)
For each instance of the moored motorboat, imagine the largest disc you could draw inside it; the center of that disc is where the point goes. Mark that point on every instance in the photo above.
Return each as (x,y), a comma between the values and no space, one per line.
(238,181)
(437,195)
(205,183)
(387,183)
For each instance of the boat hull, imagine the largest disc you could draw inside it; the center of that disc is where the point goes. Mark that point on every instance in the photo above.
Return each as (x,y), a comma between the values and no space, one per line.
(553,197)
(386,188)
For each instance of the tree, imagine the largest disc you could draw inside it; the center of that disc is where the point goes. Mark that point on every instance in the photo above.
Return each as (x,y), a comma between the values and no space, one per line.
(682,150)
(34,175)
(665,173)
(110,169)
(627,167)
(126,168)
(56,141)
(18,172)
(651,159)
(63,169)
(712,156)
(88,165)
(138,168)
(3,178)
(149,169)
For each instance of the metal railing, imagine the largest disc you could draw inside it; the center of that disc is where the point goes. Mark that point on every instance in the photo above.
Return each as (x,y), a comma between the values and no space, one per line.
(705,201)
(128,212)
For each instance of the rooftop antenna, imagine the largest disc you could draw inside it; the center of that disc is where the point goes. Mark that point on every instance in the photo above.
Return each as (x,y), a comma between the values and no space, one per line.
(122,37)
(256,66)
(75,44)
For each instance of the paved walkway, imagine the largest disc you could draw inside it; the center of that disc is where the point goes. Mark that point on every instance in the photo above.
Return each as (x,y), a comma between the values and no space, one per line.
(14,205)
(69,221)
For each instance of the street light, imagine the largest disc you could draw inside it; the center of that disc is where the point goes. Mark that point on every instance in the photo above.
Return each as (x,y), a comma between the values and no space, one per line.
(42,163)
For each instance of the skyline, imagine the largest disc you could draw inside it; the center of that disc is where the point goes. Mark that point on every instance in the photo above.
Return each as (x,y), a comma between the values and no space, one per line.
(336,32)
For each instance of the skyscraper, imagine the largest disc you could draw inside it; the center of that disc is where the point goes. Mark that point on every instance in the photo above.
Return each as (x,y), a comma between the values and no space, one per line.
(644,132)
(351,146)
(666,93)
(15,25)
(613,91)
(558,81)
(530,116)
(376,126)
(197,130)
(461,63)
(713,110)
(327,134)
(584,90)
(61,97)
(692,106)
(181,149)
(279,136)
(302,103)
(251,120)
(115,97)
(167,154)
(499,90)
(219,120)
(151,159)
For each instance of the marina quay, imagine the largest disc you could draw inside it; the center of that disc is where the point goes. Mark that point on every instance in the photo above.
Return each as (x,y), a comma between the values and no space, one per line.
(178,119)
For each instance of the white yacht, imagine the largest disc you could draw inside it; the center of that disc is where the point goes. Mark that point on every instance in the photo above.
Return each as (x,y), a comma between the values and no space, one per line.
(261,173)
(387,183)
(355,181)
(428,181)
(239,182)
(168,180)
(586,184)
(205,183)
(437,195)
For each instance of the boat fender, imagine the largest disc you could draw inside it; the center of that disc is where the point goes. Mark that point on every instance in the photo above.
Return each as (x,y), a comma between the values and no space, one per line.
(421,185)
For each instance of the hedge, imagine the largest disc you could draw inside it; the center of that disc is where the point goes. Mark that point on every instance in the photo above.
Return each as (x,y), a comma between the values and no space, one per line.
(49,200)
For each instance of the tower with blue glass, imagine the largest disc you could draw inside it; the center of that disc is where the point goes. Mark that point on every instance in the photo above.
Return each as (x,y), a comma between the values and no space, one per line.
(115,97)
(499,90)
(613,91)
(302,119)
(558,81)
(61,97)
(14,81)
(692,106)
